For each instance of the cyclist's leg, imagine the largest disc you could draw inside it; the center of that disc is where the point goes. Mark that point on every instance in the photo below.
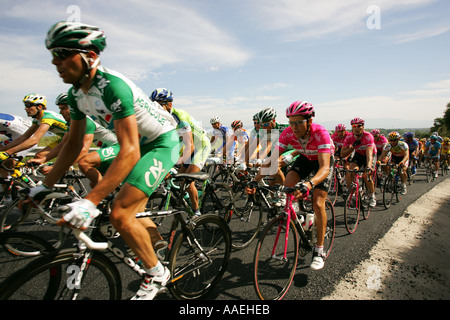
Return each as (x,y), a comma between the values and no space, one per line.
(95,163)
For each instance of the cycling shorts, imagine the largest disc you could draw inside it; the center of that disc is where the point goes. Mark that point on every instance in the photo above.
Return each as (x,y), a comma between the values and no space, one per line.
(304,167)
(361,160)
(397,160)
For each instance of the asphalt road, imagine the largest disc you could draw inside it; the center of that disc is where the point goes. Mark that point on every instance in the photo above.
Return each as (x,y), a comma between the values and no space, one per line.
(348,251)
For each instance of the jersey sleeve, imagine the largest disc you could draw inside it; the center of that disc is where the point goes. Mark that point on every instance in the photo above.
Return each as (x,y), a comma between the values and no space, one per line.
(75,113)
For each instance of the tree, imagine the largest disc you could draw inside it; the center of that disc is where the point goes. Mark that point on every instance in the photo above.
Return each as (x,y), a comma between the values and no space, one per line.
(442,125)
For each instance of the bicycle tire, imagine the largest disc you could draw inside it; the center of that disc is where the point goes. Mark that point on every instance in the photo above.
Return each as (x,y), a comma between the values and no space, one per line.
(330,228)
(388,192)
(192,277)
(244,224)
(47,278)
(352,210)
(333,190)
(272,274)
(429,174)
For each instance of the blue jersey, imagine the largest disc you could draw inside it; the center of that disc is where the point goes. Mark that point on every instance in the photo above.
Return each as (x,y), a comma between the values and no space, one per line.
(433,148)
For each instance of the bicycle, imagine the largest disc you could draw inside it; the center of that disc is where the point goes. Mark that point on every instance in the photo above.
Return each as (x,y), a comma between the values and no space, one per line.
(444,164)
(338,182)
(13,260)
(357,200)
(280,243)
(27,219)
(197,256)
(391,187)
(430,170)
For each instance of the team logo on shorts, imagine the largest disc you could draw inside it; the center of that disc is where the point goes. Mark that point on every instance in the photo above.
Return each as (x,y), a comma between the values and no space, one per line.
(155,173)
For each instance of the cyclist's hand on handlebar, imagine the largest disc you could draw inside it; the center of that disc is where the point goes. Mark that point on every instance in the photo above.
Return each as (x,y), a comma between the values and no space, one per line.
(80,214)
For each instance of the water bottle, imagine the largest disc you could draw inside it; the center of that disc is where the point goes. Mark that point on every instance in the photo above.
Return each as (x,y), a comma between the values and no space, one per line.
(308,221)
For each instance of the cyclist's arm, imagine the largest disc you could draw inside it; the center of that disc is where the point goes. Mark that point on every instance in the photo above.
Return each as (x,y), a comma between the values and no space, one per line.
(26,135)
(369,157)
(69,152)
(51,154)
(324,169)
(129,154)
(31,141)
(346,151)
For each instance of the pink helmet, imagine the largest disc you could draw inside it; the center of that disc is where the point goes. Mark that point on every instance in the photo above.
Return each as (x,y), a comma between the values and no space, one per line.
(340,127)
(357,120)
(300,108)
(375,131)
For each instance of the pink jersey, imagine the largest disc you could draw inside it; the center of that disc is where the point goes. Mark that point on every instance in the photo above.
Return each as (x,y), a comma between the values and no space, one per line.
(337,140)
(381,142)
(319,142)
(366,141)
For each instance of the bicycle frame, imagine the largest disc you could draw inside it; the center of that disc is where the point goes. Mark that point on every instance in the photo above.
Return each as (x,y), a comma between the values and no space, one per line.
(290,214)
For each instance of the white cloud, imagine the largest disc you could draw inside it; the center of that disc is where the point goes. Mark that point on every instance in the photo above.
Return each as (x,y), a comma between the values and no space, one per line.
(303,19)
(422,34)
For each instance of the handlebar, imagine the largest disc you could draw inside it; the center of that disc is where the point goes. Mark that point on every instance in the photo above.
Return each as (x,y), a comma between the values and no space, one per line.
(79,234)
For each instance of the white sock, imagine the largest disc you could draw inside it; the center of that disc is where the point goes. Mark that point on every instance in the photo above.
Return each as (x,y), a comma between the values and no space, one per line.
(156,271)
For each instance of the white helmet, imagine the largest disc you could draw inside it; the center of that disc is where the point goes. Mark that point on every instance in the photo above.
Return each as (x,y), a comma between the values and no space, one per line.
(215,120)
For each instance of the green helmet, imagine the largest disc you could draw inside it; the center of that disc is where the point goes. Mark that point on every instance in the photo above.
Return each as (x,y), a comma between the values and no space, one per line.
(266,115)
(75,35)
(62,99)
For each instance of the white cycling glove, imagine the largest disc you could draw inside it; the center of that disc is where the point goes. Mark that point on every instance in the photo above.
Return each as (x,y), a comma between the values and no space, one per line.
(287,159)
(81,214)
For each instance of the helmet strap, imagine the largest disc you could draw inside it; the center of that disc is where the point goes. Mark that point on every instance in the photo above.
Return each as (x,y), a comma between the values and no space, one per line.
(89,67)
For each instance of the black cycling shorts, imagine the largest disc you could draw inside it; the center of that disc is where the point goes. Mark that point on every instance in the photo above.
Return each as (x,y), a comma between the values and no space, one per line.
(305,167)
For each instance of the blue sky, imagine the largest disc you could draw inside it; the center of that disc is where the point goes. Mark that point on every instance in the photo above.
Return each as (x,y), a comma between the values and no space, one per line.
(232,58)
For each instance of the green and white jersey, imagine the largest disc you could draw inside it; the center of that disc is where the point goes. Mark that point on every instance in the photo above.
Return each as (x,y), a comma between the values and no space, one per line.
(112,96)
(187,123)
(55,120)
(102,137)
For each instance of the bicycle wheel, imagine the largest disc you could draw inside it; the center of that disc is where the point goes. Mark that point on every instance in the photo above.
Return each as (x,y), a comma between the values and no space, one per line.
(365,203)
(352,210)
(273,273)
(28,221)
(197,265)
(244,224)
(217,199)
(53,277)
(13,260)
(334,188)
(429,174)
(388,192)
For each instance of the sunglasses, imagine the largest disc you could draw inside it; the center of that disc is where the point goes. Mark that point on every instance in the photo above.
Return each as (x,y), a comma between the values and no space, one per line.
(63,53)
(357,125)
(266,124)
(30,105)
(297,123)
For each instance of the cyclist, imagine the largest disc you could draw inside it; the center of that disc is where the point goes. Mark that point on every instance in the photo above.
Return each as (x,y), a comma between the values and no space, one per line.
(338,137)
(43,121)
(413,145)
(315,148)
(361,144)
(95,135)
(221,135)
(12,127)
(240,137)
(252,146)
(432,152)
(145,132)
(445,150)
(399,155)
(380,141)
(197,145)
